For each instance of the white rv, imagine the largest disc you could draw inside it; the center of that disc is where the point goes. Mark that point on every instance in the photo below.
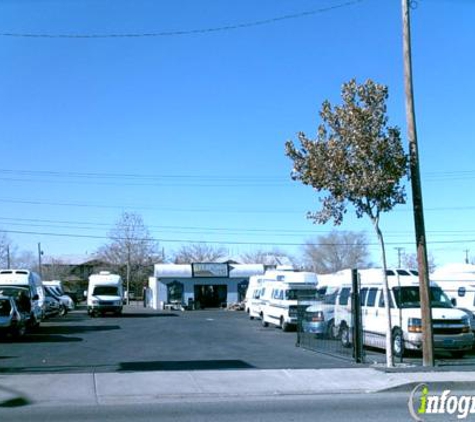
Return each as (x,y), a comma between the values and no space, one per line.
(451,326)
(104,294)
(283,293)
(458,281)
(32,281)
(252,301)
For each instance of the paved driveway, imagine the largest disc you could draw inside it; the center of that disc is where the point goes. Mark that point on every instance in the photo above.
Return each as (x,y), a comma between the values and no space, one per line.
(144,340)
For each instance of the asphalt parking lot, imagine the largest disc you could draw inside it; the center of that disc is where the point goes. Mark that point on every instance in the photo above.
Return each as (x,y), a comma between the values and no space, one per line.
(145,340)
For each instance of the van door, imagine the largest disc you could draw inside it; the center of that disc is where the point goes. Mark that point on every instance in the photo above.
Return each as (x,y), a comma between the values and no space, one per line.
(371,318)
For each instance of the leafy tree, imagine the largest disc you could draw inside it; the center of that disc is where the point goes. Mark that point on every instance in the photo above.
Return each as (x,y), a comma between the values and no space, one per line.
(336,251)
(131,249)
(356,159)
(199,252)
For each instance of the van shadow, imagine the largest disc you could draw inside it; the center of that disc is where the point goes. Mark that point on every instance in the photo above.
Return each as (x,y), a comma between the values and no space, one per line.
(75,329)
(140,315)
(185,365)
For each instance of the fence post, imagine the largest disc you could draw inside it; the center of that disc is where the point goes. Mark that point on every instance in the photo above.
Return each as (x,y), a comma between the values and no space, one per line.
(357,320)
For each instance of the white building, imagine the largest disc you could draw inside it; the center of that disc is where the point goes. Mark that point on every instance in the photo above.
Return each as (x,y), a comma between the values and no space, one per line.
(207,285)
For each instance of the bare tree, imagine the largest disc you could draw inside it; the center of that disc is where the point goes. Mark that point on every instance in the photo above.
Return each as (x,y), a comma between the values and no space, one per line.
(5,250)
(357,159)
(409,261)
(131,249)
(267,257)
(336,251)
(199,252)
(55,269)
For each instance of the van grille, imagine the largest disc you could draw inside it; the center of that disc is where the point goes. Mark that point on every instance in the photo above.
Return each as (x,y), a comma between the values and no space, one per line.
(447,326)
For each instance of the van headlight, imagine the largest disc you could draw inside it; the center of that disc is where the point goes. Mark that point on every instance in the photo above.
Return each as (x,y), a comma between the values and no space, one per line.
(414,325)
(466,324)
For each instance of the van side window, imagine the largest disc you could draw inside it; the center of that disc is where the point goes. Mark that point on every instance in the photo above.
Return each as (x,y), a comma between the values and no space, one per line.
(371,300)
(344,296)
(330,297)
(461,291)
(381,299)
(363,294)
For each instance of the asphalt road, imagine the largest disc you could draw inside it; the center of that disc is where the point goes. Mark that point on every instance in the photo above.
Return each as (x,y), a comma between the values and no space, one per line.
(391,407)
(144,340)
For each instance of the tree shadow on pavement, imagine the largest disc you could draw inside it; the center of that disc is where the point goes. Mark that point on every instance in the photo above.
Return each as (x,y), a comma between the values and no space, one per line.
(185,365)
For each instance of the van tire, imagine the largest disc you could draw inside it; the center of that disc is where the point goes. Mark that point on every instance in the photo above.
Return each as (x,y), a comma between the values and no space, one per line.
(263,322)
(345,335)
(62,310)
(331,330)
(458,354)
(284,326)
(398,343)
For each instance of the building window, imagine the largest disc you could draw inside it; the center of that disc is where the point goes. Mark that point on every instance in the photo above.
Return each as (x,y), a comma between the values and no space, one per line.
(175,292)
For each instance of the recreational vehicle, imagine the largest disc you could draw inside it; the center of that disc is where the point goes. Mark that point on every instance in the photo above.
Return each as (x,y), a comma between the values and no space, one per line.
(283,292)
(32,281)
(104,294)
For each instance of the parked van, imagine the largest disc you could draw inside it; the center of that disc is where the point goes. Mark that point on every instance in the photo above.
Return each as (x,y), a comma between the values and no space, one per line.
(284,294)
(252,301)
(451,327)
(31,281)
(458,282)
(105,293)
(56,289)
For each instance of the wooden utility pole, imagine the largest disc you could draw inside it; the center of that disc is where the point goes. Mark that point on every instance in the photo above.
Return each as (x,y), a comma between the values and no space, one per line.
(424,285)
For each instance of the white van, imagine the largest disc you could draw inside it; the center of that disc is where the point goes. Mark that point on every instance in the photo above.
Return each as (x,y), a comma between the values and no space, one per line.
(56,288)
(105,293)
(451,327)
(458,282)
(32,281)
(283,294)
(252,301)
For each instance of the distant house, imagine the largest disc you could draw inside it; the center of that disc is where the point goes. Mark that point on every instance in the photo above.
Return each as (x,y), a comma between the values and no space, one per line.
(73,270)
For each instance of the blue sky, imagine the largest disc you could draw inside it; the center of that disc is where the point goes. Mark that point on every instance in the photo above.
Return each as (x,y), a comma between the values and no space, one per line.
(189,130)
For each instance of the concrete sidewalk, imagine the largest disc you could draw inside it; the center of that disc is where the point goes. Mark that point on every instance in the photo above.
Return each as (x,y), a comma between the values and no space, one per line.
(148,387)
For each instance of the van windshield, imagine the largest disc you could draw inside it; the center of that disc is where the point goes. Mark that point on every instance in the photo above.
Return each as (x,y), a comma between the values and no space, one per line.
(408,297)
(296,294)
(106,291)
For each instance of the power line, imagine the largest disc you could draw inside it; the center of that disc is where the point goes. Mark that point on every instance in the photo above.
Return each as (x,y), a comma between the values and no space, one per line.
(226,242)
(201,229)
(190,31)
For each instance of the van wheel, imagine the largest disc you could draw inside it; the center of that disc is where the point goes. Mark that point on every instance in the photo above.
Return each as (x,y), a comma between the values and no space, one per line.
(345,335)
(19,332)
(331,330)
(459,354)
(263,322)
(283,325)
(62,310)
(398,343)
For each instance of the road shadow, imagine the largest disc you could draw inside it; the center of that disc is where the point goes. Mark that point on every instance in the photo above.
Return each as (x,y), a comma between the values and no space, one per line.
(146,315)
(186,365)
(75,329)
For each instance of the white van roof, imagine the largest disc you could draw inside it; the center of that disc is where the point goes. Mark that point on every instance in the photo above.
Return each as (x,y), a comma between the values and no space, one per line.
(291,276)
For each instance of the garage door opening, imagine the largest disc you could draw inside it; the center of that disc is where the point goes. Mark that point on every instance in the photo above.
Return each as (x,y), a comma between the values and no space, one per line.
(211,296)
